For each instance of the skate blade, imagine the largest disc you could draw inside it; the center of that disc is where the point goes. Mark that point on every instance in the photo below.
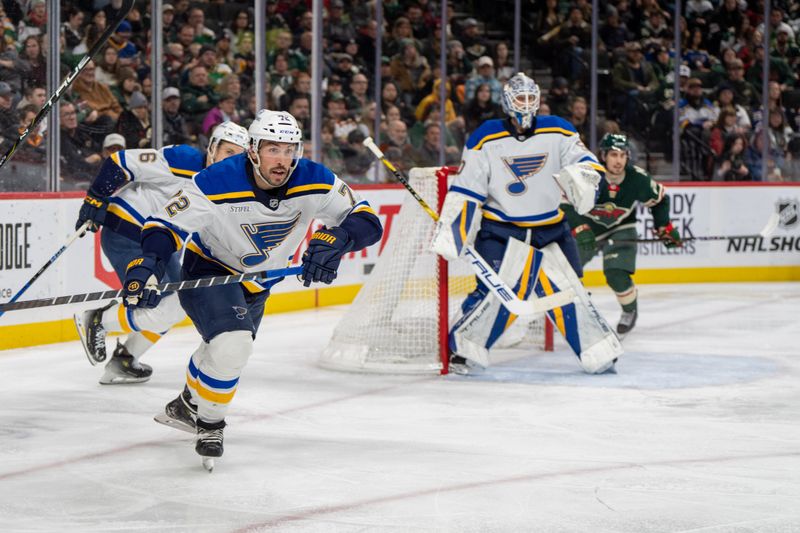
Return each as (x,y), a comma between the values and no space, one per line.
(121,380)
(171,422)
(208,464)
(78,320)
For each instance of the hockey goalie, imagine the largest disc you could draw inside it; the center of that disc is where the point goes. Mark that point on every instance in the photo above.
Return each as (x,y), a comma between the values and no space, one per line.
(504,200)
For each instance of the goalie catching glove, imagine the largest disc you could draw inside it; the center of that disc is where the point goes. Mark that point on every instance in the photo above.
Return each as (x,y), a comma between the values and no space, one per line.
(325,250)
(580,183)
(669,236)
(141,277)
(457,226)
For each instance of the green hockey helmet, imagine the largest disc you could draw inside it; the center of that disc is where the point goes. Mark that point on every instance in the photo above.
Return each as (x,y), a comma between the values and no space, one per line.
(614,141)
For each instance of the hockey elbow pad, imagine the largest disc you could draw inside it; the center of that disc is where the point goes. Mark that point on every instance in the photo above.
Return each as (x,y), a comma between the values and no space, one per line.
(458,224)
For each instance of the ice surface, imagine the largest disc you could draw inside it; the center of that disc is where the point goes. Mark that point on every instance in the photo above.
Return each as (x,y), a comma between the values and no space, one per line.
(699,431)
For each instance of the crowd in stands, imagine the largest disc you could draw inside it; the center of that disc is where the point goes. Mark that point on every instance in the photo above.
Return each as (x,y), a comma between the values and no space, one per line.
(209,62)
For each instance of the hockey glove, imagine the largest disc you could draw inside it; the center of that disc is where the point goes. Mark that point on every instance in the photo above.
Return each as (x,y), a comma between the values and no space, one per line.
(669,236)
(585,238)
(93,208)
(142,275)
(325,251)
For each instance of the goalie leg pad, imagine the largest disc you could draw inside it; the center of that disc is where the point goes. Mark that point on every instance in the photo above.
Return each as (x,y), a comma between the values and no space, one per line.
(213,381)
(484,319)
(458,224)
(585,330)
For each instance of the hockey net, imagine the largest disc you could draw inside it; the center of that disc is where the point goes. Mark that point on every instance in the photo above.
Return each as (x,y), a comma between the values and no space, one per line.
(398,321)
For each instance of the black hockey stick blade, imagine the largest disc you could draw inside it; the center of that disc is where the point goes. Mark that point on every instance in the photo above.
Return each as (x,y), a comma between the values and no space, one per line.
(101,42)
(163,287)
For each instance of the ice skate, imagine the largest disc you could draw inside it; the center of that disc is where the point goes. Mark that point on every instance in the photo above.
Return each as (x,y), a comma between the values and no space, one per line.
(180,413)
(463,366)
(209,442)
(92,334)
(626,322)
(122,369)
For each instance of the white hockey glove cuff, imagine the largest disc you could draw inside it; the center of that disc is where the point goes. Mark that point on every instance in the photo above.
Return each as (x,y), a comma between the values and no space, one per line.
(580,183)
(458,224)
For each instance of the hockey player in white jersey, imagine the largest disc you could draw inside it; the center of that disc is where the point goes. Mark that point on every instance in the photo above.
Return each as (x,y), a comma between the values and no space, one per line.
(132,185)
(247,214)
(505,199)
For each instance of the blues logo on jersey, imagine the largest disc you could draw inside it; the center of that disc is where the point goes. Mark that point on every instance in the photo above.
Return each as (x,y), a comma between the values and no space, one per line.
(264,237)
(523,167)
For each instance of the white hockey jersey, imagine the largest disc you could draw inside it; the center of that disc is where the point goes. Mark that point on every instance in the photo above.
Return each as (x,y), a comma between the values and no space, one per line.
(229,225)
(154,177)
(512,176)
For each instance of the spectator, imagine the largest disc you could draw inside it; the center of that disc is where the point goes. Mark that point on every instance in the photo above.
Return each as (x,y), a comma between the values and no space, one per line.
(480,109)
(485,75)
(695,55)
(197,20)
(331,154)
(343,67)
(573,38)
(35,95)
(548,24)
(113,143)
(134,123)
(108,67)
(744,92)
(635,83)
(753,159)
(697,11)
(97,96)
(723,24)
(197,97)
(774,102)
(410,71)
(11,67)
(427,155)
(579,111)
(168,22)
(337,112)
(401,32)
(502,62)
(274,21)
(558,98)
(390,97)
(79,160)
(779,69)
(613,34)
(421,28)
(433,100)
(301,87)
(120,39)
(279,74)
(655,28)
(359,98)
(338,29)
(722,130)
(458,64)
(472,39)
(283,45)
(8,115)
(32,150)
(224,111)
(730,165)
(127,84)
(186,35)
(397,137)
(786,49)
(697,116)
(175,129)
(300,108)
(725,99)
(35,21)
(33,64)
(72,28)
(357,158)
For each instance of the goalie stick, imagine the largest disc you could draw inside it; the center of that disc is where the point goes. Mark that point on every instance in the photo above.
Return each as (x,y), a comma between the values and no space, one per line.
(100,43)
(79,233)
(163,287)
(483,271)
(772,223)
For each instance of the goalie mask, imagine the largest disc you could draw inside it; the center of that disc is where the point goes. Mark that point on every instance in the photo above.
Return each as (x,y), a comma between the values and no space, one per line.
(227,131)
(277,127)
(521,99)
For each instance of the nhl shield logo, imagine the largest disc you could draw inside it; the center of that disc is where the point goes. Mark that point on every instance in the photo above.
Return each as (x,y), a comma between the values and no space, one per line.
(788,213)
(273,203)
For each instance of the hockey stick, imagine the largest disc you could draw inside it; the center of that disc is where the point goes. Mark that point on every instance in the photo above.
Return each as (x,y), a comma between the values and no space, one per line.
(482,269)
(163,287)
(772,223)
(100,43)
(79,233)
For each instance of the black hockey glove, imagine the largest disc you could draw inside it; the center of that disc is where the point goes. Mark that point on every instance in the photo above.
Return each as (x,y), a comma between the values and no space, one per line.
(141,277)
(94,209)
(325,251)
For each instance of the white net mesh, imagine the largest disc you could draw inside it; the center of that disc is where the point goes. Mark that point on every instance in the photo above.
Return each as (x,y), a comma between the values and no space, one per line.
(393,326)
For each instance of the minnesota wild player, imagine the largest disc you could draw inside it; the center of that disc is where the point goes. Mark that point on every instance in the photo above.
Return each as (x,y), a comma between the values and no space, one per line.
(614,218)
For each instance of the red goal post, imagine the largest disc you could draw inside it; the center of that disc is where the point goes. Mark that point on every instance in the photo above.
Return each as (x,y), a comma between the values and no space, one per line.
(398,322)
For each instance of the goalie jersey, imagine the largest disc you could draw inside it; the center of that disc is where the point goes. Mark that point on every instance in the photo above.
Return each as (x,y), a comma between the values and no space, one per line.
(152,176)
(511,174)
(229,225)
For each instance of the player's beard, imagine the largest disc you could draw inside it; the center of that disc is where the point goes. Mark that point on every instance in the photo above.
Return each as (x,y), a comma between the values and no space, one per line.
(275,176)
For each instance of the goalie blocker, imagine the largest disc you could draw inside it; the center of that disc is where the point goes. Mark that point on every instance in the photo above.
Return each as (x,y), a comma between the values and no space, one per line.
(541,272)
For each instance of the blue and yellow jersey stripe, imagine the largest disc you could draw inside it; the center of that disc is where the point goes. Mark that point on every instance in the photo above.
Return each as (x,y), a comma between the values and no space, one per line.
(311,188)
(238,195)
(551,217)
(119,159)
